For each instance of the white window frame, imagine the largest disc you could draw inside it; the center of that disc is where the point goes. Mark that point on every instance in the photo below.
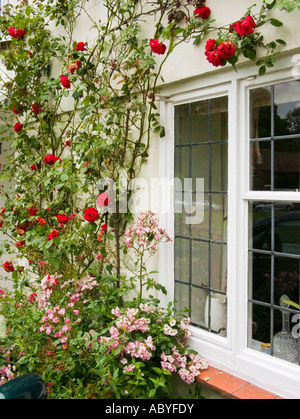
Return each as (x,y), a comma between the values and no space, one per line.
(232,353)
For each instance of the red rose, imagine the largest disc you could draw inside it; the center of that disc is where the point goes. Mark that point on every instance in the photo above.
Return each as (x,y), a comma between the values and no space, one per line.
(67,143)
(18,127)
(17,34)
(156,47)
(18,108)
(53,235)
(74,66)
(104,228)
(65,81)
(214,58)
(33,210)
(217,55)
(33,167)
(20,33)
(20,244)
(36,107)
(8,267)
(244,27)
(81,46)
(210,45)
(62,218)
(12,32)
(50,159)
(202,12)
(91,215)
(226,50)
(41,221)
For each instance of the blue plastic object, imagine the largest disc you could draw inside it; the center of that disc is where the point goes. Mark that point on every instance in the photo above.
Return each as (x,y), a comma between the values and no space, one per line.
(26,387)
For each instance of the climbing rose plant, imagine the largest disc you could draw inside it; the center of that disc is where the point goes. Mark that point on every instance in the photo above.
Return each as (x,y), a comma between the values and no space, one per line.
(76,113)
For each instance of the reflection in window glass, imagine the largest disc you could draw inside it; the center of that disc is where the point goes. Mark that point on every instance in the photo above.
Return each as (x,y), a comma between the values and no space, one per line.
(181,125)
(201,152)
(260,112)
(274,273)
(275,137)
(287,108)
(286,164)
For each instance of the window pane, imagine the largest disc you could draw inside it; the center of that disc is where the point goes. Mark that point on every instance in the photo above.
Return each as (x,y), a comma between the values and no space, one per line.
(182,125)
(216,314)
(200,122)
(219,218)
(201,164)
(202,230)
(201,258)
(220,119)
(200,263)
(261,163)
(260,328)
(260,112)
(287,108)
(287,165)
(181,227)
(260,281)
(219,267)
(182,260)
(287,231)
(199,304)
(274,112)
(182,297)
(182,163)
(219,167)
(286,279)
(274,274)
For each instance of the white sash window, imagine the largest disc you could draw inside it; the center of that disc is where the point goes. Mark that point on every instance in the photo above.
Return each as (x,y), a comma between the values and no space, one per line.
(238,266)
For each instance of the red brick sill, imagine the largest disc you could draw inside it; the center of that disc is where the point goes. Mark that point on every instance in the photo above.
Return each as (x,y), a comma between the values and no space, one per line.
(232,387)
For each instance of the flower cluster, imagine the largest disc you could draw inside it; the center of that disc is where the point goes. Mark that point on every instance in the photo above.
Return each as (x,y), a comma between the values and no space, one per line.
(244,27)
(7,373)
(16,33)
(137,333)
(145,234)
(188,366)
(218,53)
(8,266)
(50,159)
(48,284)
(202,12)
(60,320)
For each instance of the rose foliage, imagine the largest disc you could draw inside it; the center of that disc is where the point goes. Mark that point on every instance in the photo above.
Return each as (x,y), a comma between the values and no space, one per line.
(76,113)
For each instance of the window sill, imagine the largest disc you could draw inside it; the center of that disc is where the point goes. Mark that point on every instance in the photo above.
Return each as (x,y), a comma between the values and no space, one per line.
(231,387)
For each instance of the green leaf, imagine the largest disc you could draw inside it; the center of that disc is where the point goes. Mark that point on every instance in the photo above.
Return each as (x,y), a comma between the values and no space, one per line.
(276,22)
(280,41)
(64,177)
(262,70)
